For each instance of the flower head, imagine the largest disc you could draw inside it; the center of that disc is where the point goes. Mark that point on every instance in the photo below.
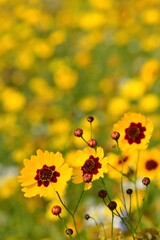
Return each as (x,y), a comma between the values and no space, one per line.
(89,161)
(149,164)
(135,131)
(44,173)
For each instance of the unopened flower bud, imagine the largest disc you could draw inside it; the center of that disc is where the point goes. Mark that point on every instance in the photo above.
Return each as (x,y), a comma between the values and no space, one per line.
(87,216)
(78,132)
(112,205)
(69,231)
(92,143)
(90,119)
(146,181)
(56,210)
(102,193)
(115,135)
(129,191)
(87,177)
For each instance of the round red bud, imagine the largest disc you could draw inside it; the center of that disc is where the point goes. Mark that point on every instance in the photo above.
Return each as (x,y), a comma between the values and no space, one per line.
(102,193)
(56,210)
(115,135)
(146,181)
(78,132)
(87,177)
(92,143)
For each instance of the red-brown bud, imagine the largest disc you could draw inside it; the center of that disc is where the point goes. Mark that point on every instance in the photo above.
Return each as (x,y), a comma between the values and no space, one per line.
(112,205)
(56,210)
(146,181)
(87,177)
(90,119)
(92,143)
(102,193)
(115,135)
(78,132)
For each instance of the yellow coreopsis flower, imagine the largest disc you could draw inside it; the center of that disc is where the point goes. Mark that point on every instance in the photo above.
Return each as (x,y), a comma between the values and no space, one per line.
(89,165)
(44,173)
(135,131)
(149,164)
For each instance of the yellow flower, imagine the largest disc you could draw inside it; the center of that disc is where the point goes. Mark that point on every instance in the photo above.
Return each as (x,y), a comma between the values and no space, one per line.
(115,165)
(149,164)
(129,89)
(117,106)
(149,71)
(12,100)
(89,162)
(135,131)
(149,103)
(44,173)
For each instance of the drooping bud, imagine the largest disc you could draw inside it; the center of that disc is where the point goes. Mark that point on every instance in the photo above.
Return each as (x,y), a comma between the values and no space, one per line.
(87,216)
(92,143)
(78,132)
(112,205)
(69,231)
(146,181)
(102,193)
(56,210)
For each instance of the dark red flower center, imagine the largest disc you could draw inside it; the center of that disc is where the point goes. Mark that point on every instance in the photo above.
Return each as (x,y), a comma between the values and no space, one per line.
(91,165)
(151,165)
(46,175)
(135,133)
(122,160)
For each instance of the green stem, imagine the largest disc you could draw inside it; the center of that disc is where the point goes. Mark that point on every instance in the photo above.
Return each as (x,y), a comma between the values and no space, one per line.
(105,188)
(122,169)
(64,225)
(78,202)
(112,226)
(142,209)
(130,227)
(135,183)
(72,215)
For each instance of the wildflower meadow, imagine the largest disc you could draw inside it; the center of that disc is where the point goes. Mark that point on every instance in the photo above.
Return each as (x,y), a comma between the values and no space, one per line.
(80,120)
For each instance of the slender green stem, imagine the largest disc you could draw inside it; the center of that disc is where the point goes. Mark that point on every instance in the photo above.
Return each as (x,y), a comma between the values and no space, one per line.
(70,236)
(135,183)
(84,140)
(142,209)
(122,170)
(130,227)
(91,129)
(112,237)
(78,202)
(72,215)
(105,188)
(130,204)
